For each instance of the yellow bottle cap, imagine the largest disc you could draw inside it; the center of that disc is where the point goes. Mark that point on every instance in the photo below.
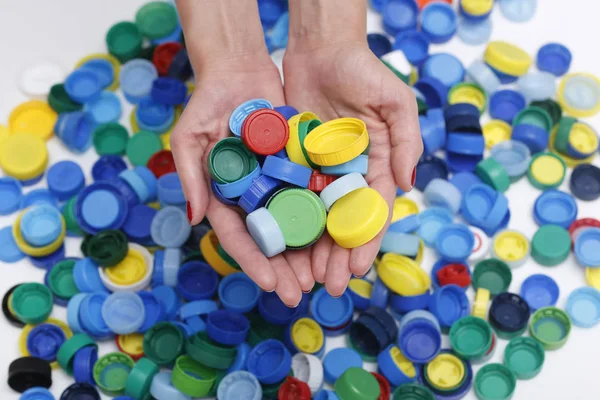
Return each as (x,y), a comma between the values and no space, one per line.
(470,93)
(209,245)
(592,277)
(307,335)
(129,271)
(111,59)
(587,86)
(37,251)
(512,247)
(445,371)
(480,305)
(547,170)
(23,156)
(131,344)
(570,161)
(190,87)
(496,131)
(29,327)
(154,204)
(165,138)
(337,141)
(357,217)
(361,287)
(420,252)
(403,207)
(4,132)
(293,146)
(507,58)
(477,7)
(35,117)
(403,364)
(583,138)
(403,275)
(414,76)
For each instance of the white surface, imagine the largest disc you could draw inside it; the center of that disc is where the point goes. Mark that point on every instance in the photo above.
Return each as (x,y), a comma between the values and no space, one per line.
(65,30)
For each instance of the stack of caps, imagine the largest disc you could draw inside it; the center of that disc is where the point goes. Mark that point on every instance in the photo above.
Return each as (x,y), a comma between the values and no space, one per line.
(39,231)
(447,375)
(575,140)
(372,332)
(507,61)
(449,303)
(433,131)
(532,127)
(421,327)
(465,143)
(485,208)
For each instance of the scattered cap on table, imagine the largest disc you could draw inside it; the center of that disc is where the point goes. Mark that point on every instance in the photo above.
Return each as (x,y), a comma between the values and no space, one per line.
(163,343)
(31,302)
(65,179)
(414,44)
(9,250)
(270,361)
(10,195)
(238,292)
(495,381)
(524,356)
(37,393)
(357,383)
(337,361)
(471,337)
(583,306)
(170,227)
(506,104)
(551,327)
(496,131)
(585,182)
(41,225)
(512,247)
(550,245)
(123,312)
(438,22)
(142,146)
(403,275)
(454,242)
(28,372)
(555,207)
(110,138)
(100,196)
(399,15)
(585,248)
(237,384)
(492,274)
(412,391)
(481,303)
(445,67)
(108,167)
(554,58)
(546,171)
(507,58)
(136,78)
(23,156)
(509,313)
(124,41)
(431,221)
(569,95)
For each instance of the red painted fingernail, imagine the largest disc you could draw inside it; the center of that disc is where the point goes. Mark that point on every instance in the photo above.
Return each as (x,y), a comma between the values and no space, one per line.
(190,215)
(413,177)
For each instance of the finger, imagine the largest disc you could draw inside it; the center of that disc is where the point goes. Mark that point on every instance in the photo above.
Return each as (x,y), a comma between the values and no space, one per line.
(299,261)
(320,257)
(338,273)
(233,236)
(287,288)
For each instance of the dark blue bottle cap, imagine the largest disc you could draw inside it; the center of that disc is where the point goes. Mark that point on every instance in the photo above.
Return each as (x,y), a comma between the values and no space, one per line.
(287,111)
(259,193)
(169,189)
(149,112)
(37,393)
(154,311)
(274,311)
(180,66)
(65,179)
(197,281)
(102,196)
(80,391)
(464,124)
(414,44)
(385,319)
(434,91)
(241,358)
(368,335)
(444,67)
(585,182)
(158,274)
(379,44)
(170,227)
(454,242)
(90,316)
(554,58)
(86,276)
(449,304)
(379,294)
(138,222)
(168,91)
(404,304)
(377,5)
(217,192)
(269,361)
(44,340)
(287,171)
(227,327)
(83,365)
(10,195)
(169,300)
(84,84)
(126,191)
(438,21)
(509,312)
(331,312)
(9,251)
(237,292)
(428,169)
(506,104)
(464,180)
(39,197)
(540,291)
(108,167)
(337,361)
(465,144)
(149,180)
(197,308)
(399,16)
(420,341)
(556,208)
(46,262)
(461,110)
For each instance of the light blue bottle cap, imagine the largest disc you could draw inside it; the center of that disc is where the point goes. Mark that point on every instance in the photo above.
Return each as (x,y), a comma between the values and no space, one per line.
(359,164)
(171,263)
(537,85)
(238,116)
(162,388)
(540,291)
(464,180)
(399,16)
(583,306)
(83,85)
(431,221)
(152,113)
(414,44)
(444,67)
(90,315)
(169,300)
(556,208)
(409,224)
(158,129)
(239,364)
(419,315)
(400,243)
(513,156)
(239,384)
(518,10)
(587,248)
(87,277)
(9,252)
(484,76)
(235,189)
(123,312)
(41,225)
(100,196)
(37,393)
(103,69)
(197,308)
(449,304)
(438,22)
(137,184)
(266,232)
(38,197)
(279,33)
(337,361)
(454,242)
(136,78)
(10,195)
(149,179)
(237,292)
(75,130)
(106,108)
(65,179)
(441,193)
(174,36)
(170,227)
(474,33)
(73,312)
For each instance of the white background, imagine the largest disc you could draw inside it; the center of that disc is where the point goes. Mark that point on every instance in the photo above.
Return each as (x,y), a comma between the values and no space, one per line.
(66,30)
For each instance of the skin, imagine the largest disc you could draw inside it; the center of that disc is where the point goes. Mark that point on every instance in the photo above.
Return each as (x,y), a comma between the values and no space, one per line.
(329,70)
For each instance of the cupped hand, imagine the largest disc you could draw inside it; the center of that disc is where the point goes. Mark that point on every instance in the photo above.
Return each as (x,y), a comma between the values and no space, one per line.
(347,80)
(204,122)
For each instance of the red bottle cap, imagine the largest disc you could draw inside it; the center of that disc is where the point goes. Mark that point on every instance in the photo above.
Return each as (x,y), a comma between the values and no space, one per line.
(163,56)
(319,181)
(265,132)
(161,163)
(384,386)
(579,224)
(293,389)
(454,274)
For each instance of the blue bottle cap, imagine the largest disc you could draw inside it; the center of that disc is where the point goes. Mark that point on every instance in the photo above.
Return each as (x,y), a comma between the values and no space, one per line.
(73,307)
(583,306)
(454,242)
(47,262)
(433,139)
(585,182)
(414,44)
(408,224)
(83,365)
(586,248)
(241,358)
(270,361)
(392,370)
(504,79)
(123,312)
(385,320)
(464,124)
(75,130)
(428,169)
(279,33)
(65,179)
(465,143)
(464,180)
(513,156)
(136,183)
(9,252)
(126,191)
(274,311)
(399,16)
(441,193)
(238,116)
(420,341)
(444,67)
(136,77)
(152,113)
(138,222)
(269,12)
(37,393)
(400,243)
(460,110)
(154,311)
(359,289)
(41,225)
(438,21)
(44,340)
(174,36)
(170,227)
(258,193)
(287,171)
(90,315)
(439,264)
(506,104)
(328,394)
(434,91)
(337,361)
(287,111)
(217,192)
(100,196)
(540,291)
(518,10)
(180,67)
(331,312)
(171,263)
(368,336)
(554,58)
(83,85)
(478,201)
(103,69)
(86,276)
(234,190)
(379,44)
(149,180)
(168,298)
(105,108)
(239,384)
(432,220)
(449,304)
(509,312)
(404,304)
(474,33)
(359,164)
(194,325)
(169,189)
(168,91)
(10,195)
(197,308)
(108,167)
(556,208)
(227,327)
(197,281)
(237,292)
(158,274)
(39,197)
(537,85)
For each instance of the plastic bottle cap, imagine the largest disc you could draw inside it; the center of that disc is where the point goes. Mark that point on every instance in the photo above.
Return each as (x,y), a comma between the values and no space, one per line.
(337,361)
(481,245)
(68,350)
(579,95)
(229,161)
(585,248)
(237,384)
(438,21)
(379,44)
(509,314)
(170,227)
(506,104)
(582,140)
(227,327)
(237,292)
(341,187)
(583,306)
(27,372)
(134,273)
(37,393)
(470,93)
(525,357)
(65,179)
(270,361)
(507,58)
(239,115)
(403,207)
(336,142)
(163,343)
(100,196)
(106,108)
(551,327)
(512,247)
(142,146)
(554,58)
(449,304)
(110,138)
(441,193)
(399,15)
(403,275)
(131,345)
(10,195)
(480,73)
(83,364)
(550,245)
(358,383)
(444,274)
(481,303)
(514,156)
(265,132)
(9,250)
(555,207)
(307,336)
(123,312)
(471,337)
(493,275)
(103,67)
(196,281)
(445,372)
(308,368)
(495,381)
(414,44)
(496,131)
(444,67)
(331,312)
(23,156)
(35,81)
(454,242)
(43,341)
(111,372)
(41,225)
(31,303)
(431,221)
(108,167)
(156,19)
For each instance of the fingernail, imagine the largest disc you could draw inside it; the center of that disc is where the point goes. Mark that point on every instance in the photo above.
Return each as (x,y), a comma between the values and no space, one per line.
(413,178)
(190,214)
(359,276)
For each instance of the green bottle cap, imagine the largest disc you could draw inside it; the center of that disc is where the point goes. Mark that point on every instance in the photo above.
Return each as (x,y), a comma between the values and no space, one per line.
(110,138)
(552,108)
(142,146)
(493,173)
(60,101)
(561,140)
(32,303)
(68,213)
(493,275)
(262,330)
(156,20)
(227,258)
(550,245)
(551,327)
(140,379)
(495,382)
(84,244)
(211,354)
(124,41)
(412,391)
(271,392)
(220,374)
(422,107)
(304,129)
(108,248)
(192,378)
(300,214)
(147,53)
(163,343)
(534,116)
(357,384)
(525,357)
(230,160)
(471,337)
(60,279)
(67,350)
(111,373)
